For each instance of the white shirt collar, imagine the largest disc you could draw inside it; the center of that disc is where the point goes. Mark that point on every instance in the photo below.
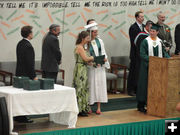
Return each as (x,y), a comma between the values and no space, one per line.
(146,30)
(27,39)
(139,24)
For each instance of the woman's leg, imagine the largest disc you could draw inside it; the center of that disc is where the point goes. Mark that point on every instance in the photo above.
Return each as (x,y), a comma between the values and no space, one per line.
(98,108)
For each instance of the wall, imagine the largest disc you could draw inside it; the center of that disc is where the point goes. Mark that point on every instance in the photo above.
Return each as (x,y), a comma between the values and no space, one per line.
(113,16)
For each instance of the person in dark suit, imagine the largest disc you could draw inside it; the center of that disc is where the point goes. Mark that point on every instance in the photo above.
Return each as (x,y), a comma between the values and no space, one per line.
(25,61)
(177,39)
(25,54)
(134,30)
(51,54)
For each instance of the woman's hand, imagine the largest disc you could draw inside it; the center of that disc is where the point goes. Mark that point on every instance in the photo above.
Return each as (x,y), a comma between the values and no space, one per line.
(35,78)
(98,65)
(90,63)
(92,58)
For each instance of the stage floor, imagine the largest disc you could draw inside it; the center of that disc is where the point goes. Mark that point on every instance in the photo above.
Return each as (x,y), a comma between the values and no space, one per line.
(106,118)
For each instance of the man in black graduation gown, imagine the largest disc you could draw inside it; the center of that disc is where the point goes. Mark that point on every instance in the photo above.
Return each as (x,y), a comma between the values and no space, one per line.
(134,30)
(139,38)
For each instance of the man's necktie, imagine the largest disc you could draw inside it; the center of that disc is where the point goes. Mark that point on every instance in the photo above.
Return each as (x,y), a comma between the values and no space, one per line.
(141,27)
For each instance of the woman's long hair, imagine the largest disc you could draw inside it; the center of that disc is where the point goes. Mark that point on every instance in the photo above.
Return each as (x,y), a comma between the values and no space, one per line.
(81,36)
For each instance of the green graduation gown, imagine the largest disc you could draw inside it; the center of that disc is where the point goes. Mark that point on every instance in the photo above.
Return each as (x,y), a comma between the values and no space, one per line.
(141,94)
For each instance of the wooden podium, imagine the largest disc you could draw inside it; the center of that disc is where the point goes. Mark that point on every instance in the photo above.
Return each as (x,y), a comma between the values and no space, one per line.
(163,86)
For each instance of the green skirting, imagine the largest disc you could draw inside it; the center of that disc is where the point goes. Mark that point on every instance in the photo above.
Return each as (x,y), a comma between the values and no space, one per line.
(154,127)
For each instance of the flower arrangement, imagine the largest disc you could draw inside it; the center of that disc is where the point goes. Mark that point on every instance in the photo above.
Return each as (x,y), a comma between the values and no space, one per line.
(167,29)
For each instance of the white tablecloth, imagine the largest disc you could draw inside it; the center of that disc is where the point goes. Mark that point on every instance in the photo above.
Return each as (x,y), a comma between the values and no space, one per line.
(60,103)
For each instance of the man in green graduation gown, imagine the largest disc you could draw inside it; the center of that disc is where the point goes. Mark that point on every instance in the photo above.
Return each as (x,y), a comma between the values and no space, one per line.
(150,46)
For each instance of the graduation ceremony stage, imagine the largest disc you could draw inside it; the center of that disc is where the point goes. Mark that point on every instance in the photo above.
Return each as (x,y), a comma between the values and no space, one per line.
(117,122)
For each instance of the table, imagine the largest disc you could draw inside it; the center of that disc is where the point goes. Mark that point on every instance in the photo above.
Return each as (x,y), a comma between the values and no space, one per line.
(60,103)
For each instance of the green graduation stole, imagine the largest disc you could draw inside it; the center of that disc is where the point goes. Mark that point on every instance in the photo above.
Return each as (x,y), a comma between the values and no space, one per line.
(92,53)
(91,50)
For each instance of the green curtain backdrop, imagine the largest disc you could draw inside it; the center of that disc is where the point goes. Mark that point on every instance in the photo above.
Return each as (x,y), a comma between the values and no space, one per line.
(154,127)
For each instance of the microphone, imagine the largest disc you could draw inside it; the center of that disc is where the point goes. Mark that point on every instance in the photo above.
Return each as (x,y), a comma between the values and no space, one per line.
(167,44)
(163,44)
(170,45)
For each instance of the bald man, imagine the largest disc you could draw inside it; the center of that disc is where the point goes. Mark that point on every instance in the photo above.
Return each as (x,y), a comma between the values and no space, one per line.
(164,31)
